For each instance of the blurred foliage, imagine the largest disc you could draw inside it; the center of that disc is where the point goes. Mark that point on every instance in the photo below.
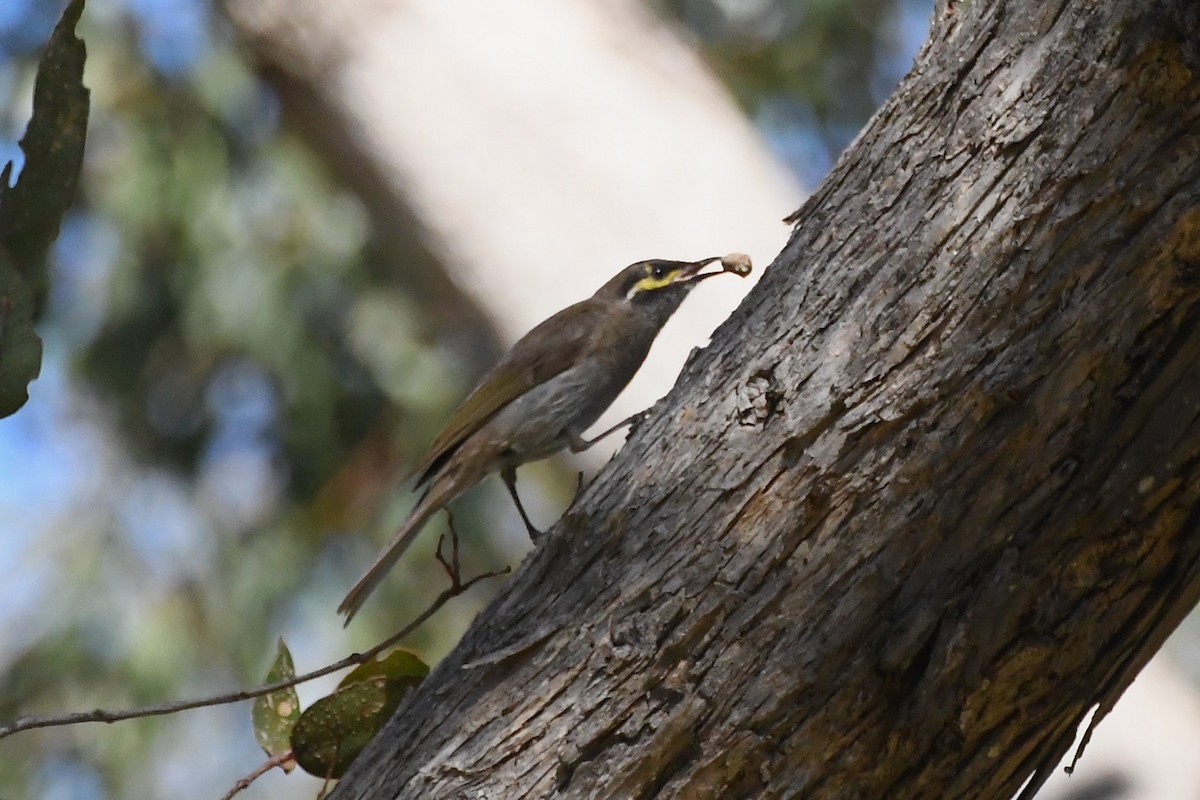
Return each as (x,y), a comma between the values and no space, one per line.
(810,72)
(247,382)
(234,380)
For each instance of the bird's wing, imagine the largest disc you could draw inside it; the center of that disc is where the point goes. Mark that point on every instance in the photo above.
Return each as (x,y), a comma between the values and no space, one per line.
(533,360)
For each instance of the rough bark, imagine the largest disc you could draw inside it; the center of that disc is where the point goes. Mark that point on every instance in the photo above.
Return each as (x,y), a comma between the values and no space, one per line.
(930,496)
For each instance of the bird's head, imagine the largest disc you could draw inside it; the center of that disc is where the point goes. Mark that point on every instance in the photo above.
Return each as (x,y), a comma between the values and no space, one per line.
(655,288)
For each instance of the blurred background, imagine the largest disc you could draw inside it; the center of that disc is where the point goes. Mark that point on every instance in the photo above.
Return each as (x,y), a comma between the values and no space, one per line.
(303,229)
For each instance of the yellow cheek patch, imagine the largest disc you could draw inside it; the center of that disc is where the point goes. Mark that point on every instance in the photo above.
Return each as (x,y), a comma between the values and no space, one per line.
(650,283)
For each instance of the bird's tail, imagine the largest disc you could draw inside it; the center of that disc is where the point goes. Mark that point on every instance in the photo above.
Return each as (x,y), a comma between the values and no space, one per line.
(434,499)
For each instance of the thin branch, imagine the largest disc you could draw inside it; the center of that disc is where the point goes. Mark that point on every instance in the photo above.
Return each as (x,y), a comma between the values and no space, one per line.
(457,587)
(268,765)
(453,567)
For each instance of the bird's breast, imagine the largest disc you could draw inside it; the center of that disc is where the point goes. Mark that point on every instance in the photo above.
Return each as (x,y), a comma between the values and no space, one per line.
(533,425)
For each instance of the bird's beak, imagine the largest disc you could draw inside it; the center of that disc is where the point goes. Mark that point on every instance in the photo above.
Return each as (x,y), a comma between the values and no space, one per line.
(736,263)
(691,271)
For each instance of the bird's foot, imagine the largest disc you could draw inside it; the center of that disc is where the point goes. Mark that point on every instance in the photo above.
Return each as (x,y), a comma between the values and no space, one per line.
(578,444)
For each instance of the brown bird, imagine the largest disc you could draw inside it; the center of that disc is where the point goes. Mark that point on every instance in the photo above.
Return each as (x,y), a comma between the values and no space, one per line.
(551,386)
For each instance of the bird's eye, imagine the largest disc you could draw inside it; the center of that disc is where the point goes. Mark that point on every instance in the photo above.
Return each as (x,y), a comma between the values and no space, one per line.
(658,271)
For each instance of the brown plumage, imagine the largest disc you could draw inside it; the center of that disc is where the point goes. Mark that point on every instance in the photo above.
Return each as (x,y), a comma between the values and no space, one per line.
(551,386)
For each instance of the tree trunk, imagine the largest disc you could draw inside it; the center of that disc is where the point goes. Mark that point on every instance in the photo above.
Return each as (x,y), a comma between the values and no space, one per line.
(929,497)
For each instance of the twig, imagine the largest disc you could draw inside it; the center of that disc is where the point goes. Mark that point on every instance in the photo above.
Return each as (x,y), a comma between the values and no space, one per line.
(454,568)
(327,786)
(268,765)
(457,587)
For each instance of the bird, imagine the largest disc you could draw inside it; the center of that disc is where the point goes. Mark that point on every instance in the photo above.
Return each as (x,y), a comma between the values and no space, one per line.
(552,385)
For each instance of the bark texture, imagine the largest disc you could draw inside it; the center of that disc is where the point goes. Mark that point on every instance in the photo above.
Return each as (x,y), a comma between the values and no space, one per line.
(929,497)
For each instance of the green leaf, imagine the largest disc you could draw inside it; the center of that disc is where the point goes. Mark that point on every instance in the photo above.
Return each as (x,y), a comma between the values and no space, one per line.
(336,728)
(31,212)
(402,668)
(276,714)
(331,733)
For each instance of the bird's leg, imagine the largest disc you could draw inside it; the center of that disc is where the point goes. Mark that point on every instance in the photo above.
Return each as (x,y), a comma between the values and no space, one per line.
(578,444)
(509,476)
